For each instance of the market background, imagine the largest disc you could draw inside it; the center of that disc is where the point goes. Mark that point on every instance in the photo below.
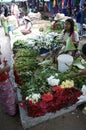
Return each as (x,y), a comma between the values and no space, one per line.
(68,121)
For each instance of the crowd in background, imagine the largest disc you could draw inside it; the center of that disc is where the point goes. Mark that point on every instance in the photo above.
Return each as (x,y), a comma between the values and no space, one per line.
(10,15)
(9,19)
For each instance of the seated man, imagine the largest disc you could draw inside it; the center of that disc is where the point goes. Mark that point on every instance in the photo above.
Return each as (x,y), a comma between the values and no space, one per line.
(27,27)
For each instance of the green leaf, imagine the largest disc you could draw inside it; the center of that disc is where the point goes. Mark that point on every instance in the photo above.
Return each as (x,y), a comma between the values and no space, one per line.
(62,49)
(69,45)
(78,63)
(83,61)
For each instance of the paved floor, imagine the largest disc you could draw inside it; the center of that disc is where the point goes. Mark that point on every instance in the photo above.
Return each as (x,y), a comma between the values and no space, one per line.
(75,120)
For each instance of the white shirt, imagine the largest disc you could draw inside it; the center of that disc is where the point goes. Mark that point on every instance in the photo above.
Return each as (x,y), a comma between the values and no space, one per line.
(65,36)
(12,21)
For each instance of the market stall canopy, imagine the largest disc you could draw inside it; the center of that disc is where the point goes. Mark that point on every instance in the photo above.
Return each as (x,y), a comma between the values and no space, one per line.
(6,1)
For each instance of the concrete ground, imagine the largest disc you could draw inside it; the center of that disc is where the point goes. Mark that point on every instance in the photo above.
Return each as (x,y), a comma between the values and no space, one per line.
(75,120)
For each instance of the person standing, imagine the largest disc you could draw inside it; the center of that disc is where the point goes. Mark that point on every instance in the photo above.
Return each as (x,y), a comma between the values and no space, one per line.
(12,25)
(8,98)
(6,11)
(84,14)
(81,3)
(15,11)
(81,19)
(4,23)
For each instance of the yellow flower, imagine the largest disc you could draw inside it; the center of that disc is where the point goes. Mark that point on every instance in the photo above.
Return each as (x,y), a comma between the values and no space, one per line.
(67,84)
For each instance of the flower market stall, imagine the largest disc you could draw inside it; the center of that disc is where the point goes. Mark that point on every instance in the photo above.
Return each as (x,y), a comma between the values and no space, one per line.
(43,91)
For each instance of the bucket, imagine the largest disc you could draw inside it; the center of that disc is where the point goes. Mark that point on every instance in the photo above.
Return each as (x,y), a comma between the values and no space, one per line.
(64,61)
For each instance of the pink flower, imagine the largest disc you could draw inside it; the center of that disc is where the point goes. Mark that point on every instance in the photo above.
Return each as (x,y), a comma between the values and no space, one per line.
(23,105)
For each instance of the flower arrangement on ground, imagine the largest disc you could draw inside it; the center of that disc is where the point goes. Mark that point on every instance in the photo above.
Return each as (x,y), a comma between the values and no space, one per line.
(59,97)
(43,88)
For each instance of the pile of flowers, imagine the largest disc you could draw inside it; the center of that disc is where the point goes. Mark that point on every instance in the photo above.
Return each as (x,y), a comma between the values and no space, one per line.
(41,91)
(44,40)
(57,98)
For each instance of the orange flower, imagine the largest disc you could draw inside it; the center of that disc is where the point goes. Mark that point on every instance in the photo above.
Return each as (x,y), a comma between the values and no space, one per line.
(47,97)
(57,88)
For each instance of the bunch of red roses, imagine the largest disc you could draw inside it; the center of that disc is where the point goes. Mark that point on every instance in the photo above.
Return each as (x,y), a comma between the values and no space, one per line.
(60,98)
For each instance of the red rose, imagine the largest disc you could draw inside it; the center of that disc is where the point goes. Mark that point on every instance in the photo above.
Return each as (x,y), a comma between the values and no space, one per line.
(51,107)
(56,88)
(36,109)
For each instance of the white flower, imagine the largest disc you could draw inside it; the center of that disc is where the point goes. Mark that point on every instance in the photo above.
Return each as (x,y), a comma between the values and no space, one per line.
(82,98)
(27,98)
(52,81)
(34,97)
(43,41)
(31,43)
(56,74)
(51,77)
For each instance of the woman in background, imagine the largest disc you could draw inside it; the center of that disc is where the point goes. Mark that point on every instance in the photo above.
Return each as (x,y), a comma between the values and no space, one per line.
(7,94)
(4,23)
(69,32)
(27,26)
(12,24)
(15,11)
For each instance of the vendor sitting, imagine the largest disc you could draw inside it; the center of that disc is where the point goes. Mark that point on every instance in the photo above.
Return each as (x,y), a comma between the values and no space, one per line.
(27,26)
(57,19)
(69,33)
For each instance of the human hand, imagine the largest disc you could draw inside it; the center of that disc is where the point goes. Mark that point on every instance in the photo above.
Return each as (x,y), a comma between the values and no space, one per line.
(63,42)
(74,75)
